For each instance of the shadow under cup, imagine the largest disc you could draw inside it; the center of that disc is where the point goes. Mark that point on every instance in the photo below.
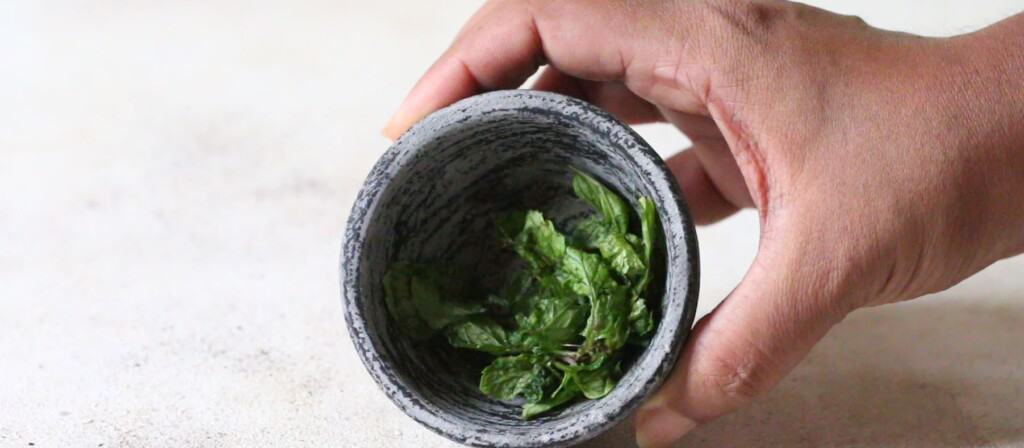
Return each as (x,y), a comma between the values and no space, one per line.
(434,197)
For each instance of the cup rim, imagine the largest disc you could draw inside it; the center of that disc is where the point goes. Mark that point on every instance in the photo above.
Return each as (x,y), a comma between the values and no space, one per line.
(654,364)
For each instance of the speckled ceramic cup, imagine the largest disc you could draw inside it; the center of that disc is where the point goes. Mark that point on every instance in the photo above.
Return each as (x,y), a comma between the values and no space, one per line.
(434,195)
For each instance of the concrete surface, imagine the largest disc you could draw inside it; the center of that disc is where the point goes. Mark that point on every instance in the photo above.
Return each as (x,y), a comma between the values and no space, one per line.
(174,178)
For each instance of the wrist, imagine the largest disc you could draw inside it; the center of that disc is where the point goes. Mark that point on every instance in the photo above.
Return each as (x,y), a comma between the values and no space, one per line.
(988,98)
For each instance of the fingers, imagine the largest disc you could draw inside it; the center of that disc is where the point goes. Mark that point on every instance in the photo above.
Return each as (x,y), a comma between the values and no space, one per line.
(703,198)
(612,96)
(507,40)
(708,174)
(498,48)
(715,157)
(783,306)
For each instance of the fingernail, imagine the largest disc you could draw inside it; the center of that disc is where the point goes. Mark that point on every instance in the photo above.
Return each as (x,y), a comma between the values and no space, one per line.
(403,117)
(399,123)
(390,129)
(658,426)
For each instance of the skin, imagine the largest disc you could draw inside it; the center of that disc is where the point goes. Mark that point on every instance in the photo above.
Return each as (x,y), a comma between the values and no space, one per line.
(884,166)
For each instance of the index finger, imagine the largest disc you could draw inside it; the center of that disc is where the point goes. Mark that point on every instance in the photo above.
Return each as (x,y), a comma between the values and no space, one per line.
(507,41)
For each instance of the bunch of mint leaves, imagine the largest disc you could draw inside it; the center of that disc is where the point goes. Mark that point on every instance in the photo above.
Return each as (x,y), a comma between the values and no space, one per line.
(559,328)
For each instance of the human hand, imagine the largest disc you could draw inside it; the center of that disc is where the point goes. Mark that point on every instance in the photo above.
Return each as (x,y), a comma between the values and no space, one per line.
(884,166)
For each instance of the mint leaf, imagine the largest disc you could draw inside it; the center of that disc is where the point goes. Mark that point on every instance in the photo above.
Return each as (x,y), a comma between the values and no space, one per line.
(552,322)
(481,334)
(641,321)
(584,273)
(588,233)
(620,255)
(434,308)
(650,227)
(401,303)
(510,224)
(516,376)
(566,391)
(615,247)
(611,207)
(640,317)
(596,383)
(419,304)
(513,297)
(539,244)
(635,241)
(608,326)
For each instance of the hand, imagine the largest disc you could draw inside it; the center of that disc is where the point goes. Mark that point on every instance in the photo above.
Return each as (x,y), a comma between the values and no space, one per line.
(884,166)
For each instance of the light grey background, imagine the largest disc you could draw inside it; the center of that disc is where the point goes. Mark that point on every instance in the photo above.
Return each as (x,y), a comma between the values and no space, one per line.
(174,179)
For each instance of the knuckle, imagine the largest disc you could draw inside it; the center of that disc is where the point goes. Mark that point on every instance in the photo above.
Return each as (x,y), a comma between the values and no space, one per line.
(749,17)
(737,384)
(856,20)
(737,379)
(739,35)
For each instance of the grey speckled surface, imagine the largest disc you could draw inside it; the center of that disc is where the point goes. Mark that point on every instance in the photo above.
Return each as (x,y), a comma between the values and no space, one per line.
(174,181)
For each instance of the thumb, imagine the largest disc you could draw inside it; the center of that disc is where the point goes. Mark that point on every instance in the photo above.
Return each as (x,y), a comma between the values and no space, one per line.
(784,305)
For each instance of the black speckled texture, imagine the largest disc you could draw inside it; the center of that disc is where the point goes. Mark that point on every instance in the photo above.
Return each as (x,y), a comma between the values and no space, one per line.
(433,196)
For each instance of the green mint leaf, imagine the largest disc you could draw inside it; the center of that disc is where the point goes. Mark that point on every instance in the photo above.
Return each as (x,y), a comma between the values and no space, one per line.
(481,334)
(434,308)
(417,302)
(650,227)
(607,326)
(640,317)
(539,243)
(615,247)
(510,224)
(513,296)
(635,241)
(401,303)
(566,391)
(516,376)
(607,203)
(596,383)
(620,255)
(641,321)
(584,273)
(588,233)
(552,322)
(551,285)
